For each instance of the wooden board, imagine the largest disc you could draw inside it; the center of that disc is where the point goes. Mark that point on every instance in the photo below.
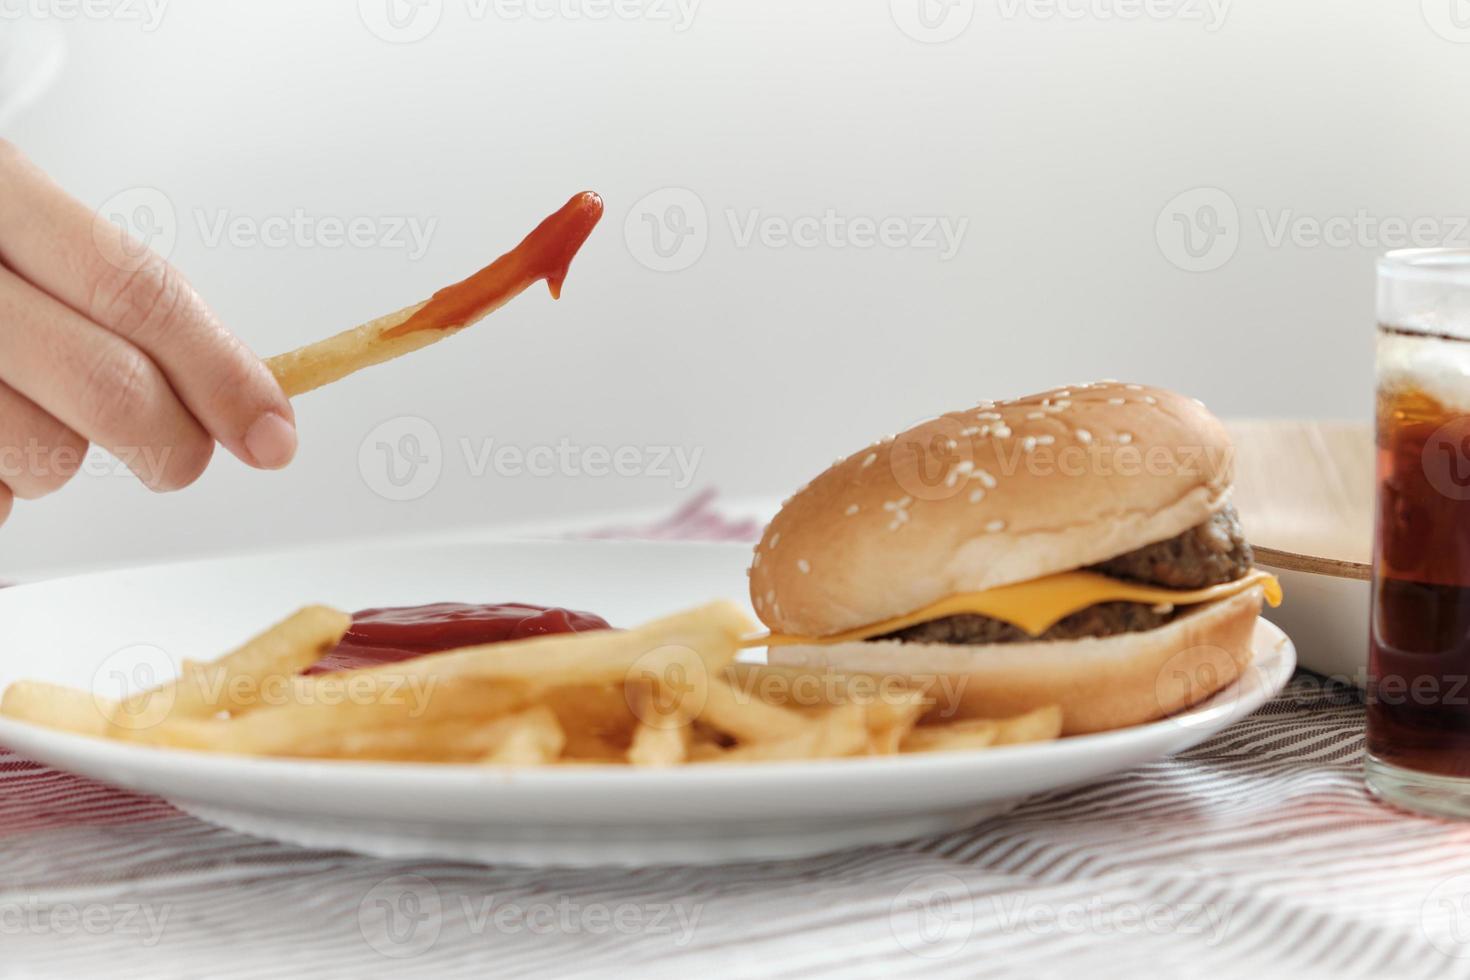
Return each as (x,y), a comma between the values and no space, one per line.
(1304,490)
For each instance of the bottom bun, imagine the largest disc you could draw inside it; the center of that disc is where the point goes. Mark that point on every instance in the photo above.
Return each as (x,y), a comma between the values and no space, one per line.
(1100,684)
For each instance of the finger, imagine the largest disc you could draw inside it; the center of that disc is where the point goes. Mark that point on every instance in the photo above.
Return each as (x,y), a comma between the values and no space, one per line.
(38,455)
(7,500)
(97,269)
(99,386)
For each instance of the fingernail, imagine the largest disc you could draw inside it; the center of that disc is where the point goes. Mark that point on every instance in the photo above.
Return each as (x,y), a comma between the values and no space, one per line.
(271,441)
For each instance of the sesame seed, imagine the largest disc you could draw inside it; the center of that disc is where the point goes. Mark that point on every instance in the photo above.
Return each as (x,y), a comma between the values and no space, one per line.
(759,602)
(757,562)
(1002,431)
(1036,415)
(870,460)
(1028,444)
(1083,436)
(1045,440)
(1124,438)
(995,526)
(803,566)
(770,595)
(976,496)
(851,509)
(972,430)
(1064,393)
(775,540)
(951,444)
(985,479)
(1150,399)
(988,416)
(1115,401)
(1134,387)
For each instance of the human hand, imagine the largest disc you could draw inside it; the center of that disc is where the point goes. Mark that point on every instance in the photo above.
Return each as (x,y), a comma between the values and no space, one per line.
(102,341)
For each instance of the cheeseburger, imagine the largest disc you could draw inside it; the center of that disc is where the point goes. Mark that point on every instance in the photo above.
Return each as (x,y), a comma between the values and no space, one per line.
(1076,548)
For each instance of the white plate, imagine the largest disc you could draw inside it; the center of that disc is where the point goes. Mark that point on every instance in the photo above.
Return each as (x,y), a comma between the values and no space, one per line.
(90,630)
(1327,616)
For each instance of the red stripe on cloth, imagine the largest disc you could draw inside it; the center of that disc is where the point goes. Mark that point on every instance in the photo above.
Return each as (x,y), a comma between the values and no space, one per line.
(37,797)
(697,520)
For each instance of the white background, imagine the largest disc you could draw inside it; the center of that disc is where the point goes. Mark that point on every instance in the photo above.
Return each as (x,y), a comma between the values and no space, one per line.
(1060,136)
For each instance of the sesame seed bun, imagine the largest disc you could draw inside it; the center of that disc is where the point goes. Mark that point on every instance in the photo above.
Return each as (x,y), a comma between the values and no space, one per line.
(1000,493)
(1100,684)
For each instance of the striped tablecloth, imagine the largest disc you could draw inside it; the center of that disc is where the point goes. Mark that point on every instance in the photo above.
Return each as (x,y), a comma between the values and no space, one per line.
(1258,854)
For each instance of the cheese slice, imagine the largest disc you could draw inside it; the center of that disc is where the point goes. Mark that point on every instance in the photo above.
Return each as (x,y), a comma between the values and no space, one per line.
(1039,604)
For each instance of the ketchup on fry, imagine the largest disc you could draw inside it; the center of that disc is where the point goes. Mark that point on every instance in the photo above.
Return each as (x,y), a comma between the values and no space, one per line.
(388,635)
(546,253)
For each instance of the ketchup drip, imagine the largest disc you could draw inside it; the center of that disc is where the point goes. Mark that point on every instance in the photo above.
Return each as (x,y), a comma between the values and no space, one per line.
(388,635)
(546,253)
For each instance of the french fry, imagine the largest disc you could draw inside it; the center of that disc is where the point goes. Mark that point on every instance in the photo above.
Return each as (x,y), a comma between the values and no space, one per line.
(959,737)
(455,740)
(278,730)
(663,694)
(890,721)
(1040,725)
(659,745)
(236,681)
(837,732)
(664,729)
(64,708)
(544,254)
(530,738)
(703,639)
(888,700)
(597,720)
(749,719)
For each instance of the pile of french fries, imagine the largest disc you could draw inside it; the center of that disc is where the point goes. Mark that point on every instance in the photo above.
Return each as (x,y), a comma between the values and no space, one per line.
(666,693)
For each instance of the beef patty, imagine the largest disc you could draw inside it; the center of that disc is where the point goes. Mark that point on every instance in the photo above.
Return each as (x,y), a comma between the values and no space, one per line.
(1208,554)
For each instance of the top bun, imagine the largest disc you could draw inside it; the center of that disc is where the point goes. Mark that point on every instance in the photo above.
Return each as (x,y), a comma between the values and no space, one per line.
(1000,493)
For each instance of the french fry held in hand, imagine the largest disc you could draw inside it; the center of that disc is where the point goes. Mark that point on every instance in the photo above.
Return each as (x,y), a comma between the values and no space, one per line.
(546,253)
(664,694)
